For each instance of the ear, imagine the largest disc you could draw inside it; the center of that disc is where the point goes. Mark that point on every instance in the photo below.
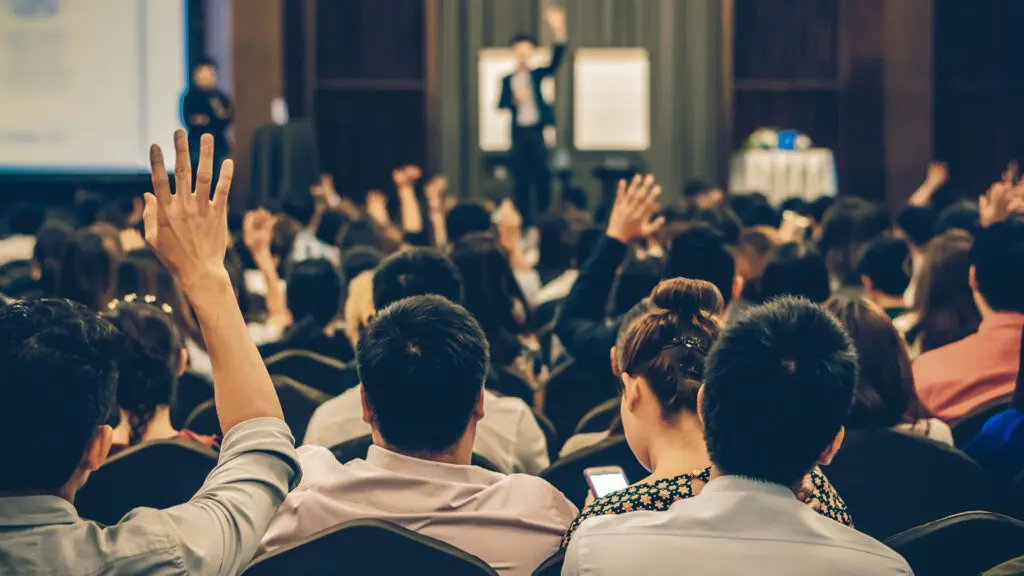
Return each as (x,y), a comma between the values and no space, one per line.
(830,451)
(183,362)
(96,453)
(613,352)
(737,287)
(869,286)
(972,278)
(631,391)
(368,415)
(700,404)
(478,412)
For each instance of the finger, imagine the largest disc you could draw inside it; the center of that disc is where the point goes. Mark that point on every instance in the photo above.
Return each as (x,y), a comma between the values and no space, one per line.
(182,164)
(648,182)
(650,200)
(204,176)
(634,185)
(654,225)
(149,217)
(220,196)
(158,175)
(620,191)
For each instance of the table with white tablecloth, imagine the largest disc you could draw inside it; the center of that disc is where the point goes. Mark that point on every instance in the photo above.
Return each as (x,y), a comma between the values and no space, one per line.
(783,174)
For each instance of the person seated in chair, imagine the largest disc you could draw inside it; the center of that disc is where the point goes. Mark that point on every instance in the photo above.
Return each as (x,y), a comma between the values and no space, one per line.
(508,434)
(423,361)
(59,365)
(778,384)
(885,268)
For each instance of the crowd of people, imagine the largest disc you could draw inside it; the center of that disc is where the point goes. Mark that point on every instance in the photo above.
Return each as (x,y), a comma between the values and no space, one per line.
(741,343)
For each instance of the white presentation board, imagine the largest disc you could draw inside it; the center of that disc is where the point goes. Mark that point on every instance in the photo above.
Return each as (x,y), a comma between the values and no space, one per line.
(493,64)
(612,99)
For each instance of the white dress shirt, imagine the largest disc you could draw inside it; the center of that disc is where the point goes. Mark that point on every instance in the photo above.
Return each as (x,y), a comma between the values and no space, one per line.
(527,113)
(508,435)
(513,523)
(17,247)
(734,526)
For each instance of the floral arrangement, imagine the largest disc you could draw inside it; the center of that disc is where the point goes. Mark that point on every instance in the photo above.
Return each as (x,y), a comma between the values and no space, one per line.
(771,138)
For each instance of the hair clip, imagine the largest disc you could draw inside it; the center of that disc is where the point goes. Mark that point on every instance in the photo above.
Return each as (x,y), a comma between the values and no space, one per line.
(690,343)
(144,299)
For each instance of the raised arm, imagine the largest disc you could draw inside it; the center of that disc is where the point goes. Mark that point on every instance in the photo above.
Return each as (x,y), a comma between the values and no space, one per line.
(556,21)
(189,233)
(258,233)
(409,206)
(936,177)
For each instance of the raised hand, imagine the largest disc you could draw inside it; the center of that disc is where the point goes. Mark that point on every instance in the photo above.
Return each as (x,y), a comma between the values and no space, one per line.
(406,176)
(258,231)
(1010,174)
(938,174)
(1001,200)
(377,207)
(555,17)
(188,230)
(634,206)
(434,191)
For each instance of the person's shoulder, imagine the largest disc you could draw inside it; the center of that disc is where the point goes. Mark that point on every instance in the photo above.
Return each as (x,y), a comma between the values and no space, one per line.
(620,524)
(536,491)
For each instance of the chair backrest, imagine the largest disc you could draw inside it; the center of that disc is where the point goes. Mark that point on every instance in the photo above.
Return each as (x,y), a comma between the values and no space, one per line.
(567,473)
(892,481)
(600,418)
(508,383)
(965,543)
(298,402)
(552,566)
(968,427)
(358,447)
(550,435)
(156,474)
(320,372)
(189,392)
(369,547)
(570,393)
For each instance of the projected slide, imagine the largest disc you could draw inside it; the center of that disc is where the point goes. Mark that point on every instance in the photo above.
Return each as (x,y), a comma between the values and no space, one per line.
(87,85)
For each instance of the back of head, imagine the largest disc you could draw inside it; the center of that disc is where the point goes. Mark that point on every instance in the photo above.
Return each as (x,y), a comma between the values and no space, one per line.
(918,224)
(360,259)
(752,252)
(360,234)
(150,357)
(491,292)
(87,269)
(286,230)
(557,244)
(667,344)
(466,218)
(26,218)
(700,253)
(422,362)
(998,259)
(141,273)
(416,272)
(51,241)
(944,300)
(314,292)
(59,362)
(755,210)
(884,395)
(795,270)
(962,215)
(778,387)
(847,226)
(637,277)
(331,226)
(886,263)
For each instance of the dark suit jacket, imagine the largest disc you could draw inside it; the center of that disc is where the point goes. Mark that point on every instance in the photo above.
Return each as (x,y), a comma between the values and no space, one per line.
(547,115)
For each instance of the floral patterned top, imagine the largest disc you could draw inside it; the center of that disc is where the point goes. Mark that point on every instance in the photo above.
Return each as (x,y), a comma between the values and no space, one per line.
(662,494)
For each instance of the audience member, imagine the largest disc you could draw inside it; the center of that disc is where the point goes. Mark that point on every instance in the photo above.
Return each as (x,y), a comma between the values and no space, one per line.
(466,218)
(661,364)
(777,389)
(795,270)
(916,224)
(845,228)
(508,434)
(885,268)
(885,396)
(22,225)
(980,370)
(60,365)
(153,357)
(701,253)
(423,361)
(360,259)
(959,216)
(47,254)
(752,252)
(88,268)
(944,308)
(358,306)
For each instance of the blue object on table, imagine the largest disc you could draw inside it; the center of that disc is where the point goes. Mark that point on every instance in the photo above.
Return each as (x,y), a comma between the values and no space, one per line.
(787,139)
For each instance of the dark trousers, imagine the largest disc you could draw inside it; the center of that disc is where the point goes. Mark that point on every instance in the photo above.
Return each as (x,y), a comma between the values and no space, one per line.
(530,171)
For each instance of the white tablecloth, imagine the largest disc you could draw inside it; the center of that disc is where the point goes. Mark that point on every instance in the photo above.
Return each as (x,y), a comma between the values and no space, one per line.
(783,174)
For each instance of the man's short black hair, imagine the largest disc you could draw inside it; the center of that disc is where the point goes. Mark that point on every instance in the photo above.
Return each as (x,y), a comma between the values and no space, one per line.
(795,270)
(963,215)
(416,272)
(26,218)
(998,259)
(700,253)
(423,361)
(778,386)
(918,224)
(59,365)
(466,218)
(523,37)
(314,291)
(886,262)
(205,61)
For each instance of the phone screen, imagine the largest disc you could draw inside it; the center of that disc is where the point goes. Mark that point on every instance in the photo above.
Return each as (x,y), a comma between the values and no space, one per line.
(605,484)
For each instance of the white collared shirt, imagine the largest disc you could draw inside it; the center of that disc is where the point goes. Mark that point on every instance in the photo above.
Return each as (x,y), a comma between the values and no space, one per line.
(508,435)
(527,112)
(513,523)
(734,526)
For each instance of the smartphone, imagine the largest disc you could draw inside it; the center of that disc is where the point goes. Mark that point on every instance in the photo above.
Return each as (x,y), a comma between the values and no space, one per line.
(604,480)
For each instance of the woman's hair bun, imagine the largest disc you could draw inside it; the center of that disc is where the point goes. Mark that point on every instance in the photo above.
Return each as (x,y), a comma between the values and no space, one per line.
(688,298)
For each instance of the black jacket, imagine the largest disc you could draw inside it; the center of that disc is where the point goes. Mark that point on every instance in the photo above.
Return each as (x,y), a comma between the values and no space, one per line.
(547,115)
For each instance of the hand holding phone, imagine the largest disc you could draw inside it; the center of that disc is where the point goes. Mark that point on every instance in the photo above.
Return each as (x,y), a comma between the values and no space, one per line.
(604,480)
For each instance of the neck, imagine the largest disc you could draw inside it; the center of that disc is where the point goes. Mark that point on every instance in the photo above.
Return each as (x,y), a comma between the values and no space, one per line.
(678,449)
(983,307)
(159,427)
(461,454)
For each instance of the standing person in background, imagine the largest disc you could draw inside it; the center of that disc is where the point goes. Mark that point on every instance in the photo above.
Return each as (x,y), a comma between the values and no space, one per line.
(521,94)
(207,110)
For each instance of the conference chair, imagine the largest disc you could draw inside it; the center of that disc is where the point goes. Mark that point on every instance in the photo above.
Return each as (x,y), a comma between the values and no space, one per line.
(571,392)
(298,402)
(552,566)
(509,383)
(968,427)
(550,435)
(893,480)
(600,418)
(189,392)
(357,448)
(157,474)
(965,543)
(369,547)
(320,372)
(1013,567)
(567,473)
